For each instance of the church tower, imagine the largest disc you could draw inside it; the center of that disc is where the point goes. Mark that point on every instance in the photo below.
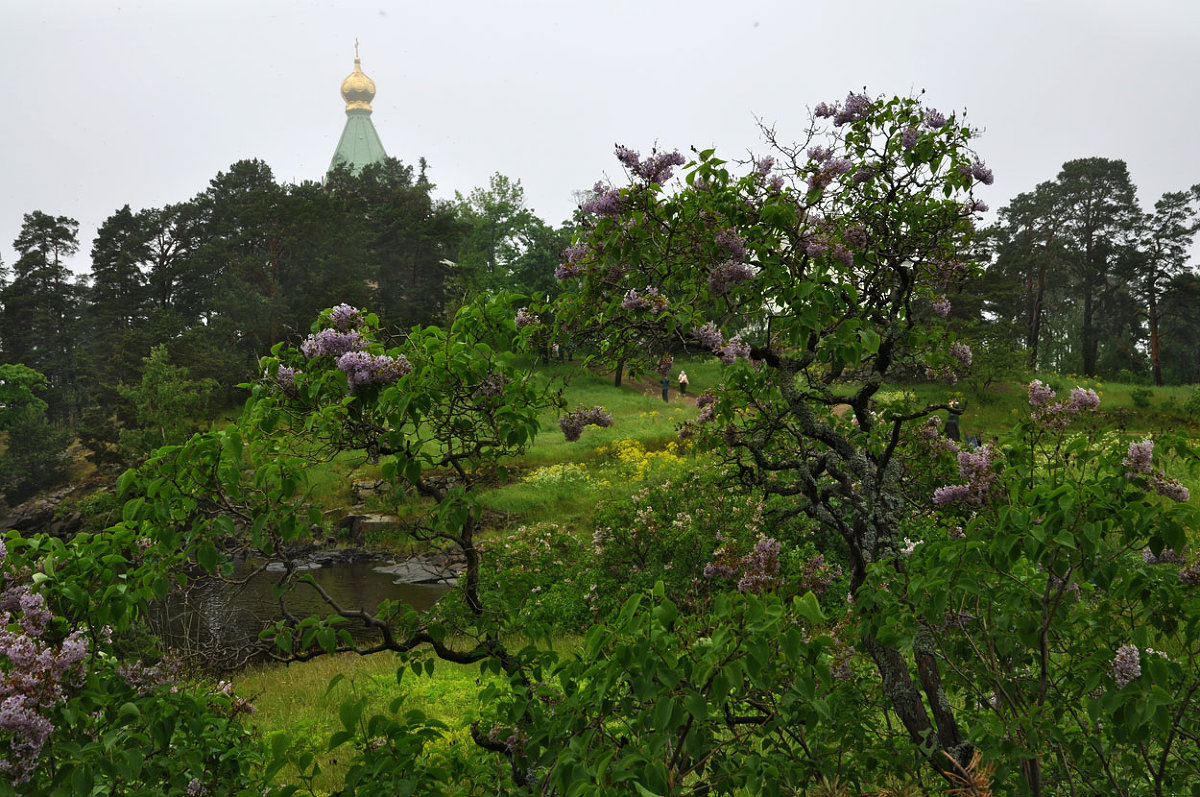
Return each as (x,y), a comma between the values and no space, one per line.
(360,143)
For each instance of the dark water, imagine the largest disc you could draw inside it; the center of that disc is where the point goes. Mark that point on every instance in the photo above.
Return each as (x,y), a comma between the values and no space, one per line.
(218,622)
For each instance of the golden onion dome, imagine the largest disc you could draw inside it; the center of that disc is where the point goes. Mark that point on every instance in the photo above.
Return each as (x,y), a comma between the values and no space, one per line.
(357,89)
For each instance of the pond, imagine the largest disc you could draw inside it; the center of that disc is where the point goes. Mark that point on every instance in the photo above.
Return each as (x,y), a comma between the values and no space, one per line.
(219,620)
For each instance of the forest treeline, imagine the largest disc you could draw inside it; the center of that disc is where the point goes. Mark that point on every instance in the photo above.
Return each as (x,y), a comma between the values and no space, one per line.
(208,285)
(182,300)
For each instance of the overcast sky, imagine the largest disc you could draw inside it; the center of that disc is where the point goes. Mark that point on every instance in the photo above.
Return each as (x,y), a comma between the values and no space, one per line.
(142,102)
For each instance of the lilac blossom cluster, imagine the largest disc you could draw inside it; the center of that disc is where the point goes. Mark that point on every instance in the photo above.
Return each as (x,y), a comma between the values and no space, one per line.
(930,435)
(760,567)
(524,318)
(665,363)
(818,246)
(707,403)
(979,171)
(656,169)
(605,201)
(344,317)
(492,385)
(651,300)
(36,677)
(332,343)
(1126,665)
(934,119)
(573,422)
(977,467)
(864,174)
(728,273)
(709,336)
(1057,414)
(1165,557)
(908,139)
(854,109)
(818,574)
(941,307)
(732,243)
(831,169)
(961,352)
(285,379)
(727,350)
(363,368)
(820,154)
(756,572)
(572,268)
(1138,461)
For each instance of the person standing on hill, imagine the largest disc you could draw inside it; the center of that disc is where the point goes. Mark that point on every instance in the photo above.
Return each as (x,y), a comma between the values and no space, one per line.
(952,420)
(683,383)
(666,389)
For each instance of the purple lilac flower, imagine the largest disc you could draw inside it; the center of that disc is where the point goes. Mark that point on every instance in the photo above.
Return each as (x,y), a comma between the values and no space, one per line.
(331,342)
(816,247)
(1040,395)
(941,307)
(856,108)
(728,273)
(344,317)
(733,349)
(1169,488)
(981,173)
(195,788)
(764,165)
(908,139)
(1166,557)
(978,469)
(363,368)
(934,120)
(709,336)
(760,567)
(1190,576)
(1083,400)
(776,182)
(656,169)
(665,363)
(650,300)
(820,154)
(492,385)
(951,494)
(1126,665)
(34,614)
(825,110)
(524,318)
(977,206)
(285,379)
(843,255)
(605,201)
(961,352)
(864,174)
(732,243)
(566,271)
(573,422)
(856,235)
(29,731)
(575,252)
(1138,458)
(818,575)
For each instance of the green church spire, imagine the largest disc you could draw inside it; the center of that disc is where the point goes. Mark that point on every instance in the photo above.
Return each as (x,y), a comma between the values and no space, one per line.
(360,144)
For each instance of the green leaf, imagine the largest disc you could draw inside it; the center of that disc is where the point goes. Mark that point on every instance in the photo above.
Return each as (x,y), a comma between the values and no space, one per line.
(350,712)
(697,706)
